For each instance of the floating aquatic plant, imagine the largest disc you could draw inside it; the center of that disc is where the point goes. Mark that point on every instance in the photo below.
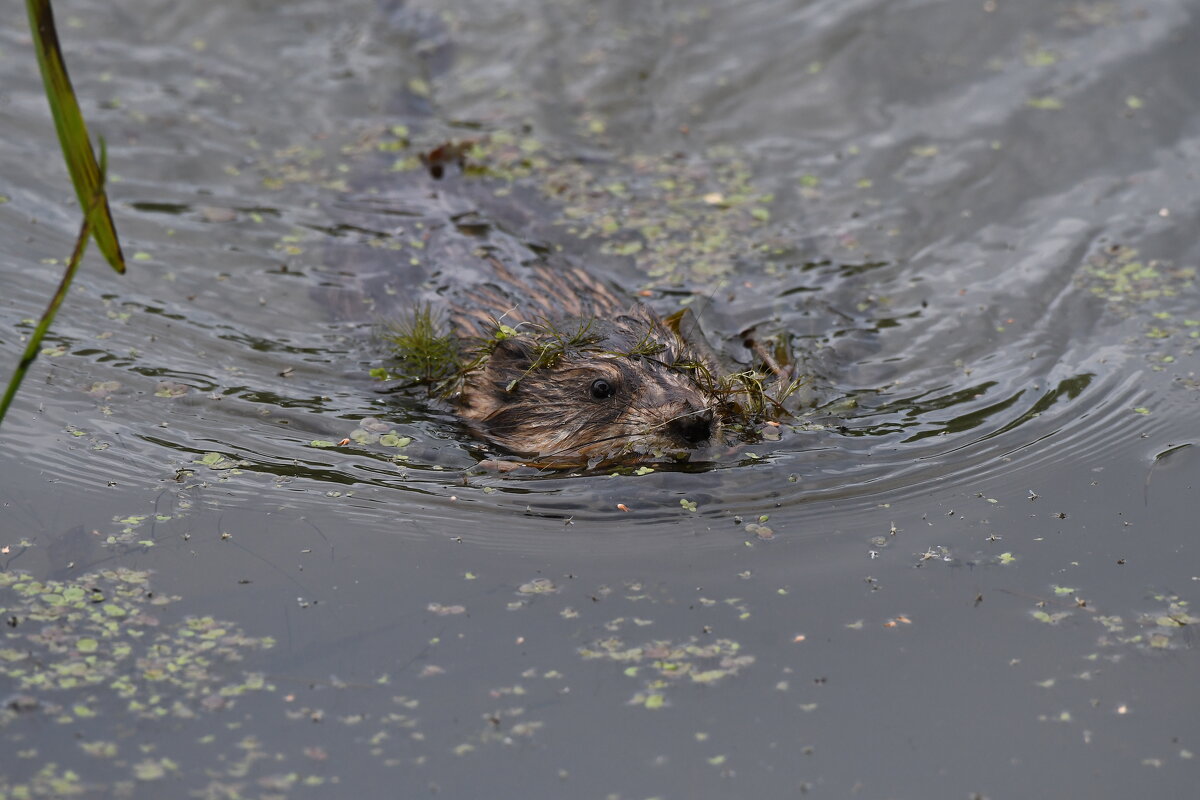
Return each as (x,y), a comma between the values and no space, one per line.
(424,352)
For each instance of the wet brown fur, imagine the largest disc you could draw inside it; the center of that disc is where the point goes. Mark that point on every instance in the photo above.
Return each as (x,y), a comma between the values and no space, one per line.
(531,393)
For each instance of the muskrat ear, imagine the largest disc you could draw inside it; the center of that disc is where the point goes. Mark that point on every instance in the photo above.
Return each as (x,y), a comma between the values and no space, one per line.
(511,354)
(683,323)
(509,362)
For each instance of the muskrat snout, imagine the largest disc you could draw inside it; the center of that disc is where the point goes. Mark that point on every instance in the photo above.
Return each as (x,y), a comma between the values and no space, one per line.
(693,426)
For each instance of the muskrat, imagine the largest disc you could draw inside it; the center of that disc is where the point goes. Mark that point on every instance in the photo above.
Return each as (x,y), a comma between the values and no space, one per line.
(553,366)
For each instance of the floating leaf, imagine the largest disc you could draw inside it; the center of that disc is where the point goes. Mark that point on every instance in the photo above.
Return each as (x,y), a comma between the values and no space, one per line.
(392,440)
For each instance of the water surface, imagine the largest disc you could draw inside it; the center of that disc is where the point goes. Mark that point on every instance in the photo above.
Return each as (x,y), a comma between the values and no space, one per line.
(965,572)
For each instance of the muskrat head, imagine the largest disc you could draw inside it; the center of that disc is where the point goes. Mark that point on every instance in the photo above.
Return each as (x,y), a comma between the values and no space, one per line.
(606,389)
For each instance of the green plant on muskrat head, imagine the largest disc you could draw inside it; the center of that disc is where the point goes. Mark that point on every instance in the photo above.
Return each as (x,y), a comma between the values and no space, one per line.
(425,354)
(647,347)
(549,341)
(759,392)
(554,343)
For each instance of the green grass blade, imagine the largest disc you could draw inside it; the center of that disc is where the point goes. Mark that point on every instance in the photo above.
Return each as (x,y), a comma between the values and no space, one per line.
(35,340)
(72,132)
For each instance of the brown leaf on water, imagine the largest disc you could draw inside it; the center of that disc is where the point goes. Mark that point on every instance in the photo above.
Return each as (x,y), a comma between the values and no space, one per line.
(446,154)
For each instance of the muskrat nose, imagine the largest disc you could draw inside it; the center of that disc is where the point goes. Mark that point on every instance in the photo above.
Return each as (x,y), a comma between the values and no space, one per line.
(694,426)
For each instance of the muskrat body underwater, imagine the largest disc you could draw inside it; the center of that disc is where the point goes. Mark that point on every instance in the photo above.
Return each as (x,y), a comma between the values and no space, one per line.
(555,367)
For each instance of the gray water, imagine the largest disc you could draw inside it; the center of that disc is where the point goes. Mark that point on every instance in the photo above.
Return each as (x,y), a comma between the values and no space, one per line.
(965,571)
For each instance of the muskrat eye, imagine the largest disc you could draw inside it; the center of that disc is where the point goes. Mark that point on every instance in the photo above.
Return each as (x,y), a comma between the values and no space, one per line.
(602,389)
